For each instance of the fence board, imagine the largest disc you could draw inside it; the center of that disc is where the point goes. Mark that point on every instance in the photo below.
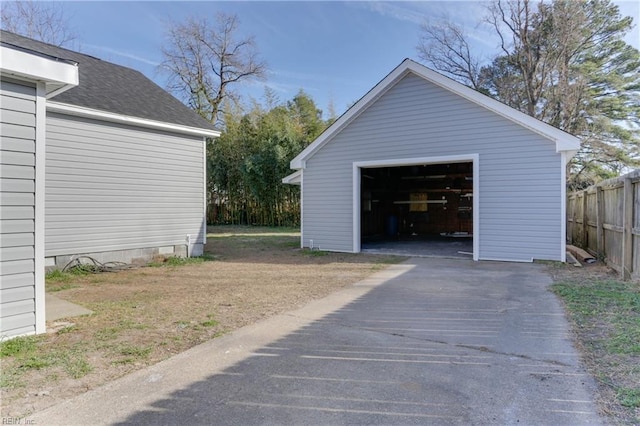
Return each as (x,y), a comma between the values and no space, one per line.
(605,220)
(635,268)
(571,201)
(590,219)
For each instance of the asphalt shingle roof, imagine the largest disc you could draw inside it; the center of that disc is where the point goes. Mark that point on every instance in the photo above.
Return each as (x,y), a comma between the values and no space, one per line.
(113,88)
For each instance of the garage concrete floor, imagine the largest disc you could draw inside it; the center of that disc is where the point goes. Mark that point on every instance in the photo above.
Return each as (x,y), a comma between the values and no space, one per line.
(422,246)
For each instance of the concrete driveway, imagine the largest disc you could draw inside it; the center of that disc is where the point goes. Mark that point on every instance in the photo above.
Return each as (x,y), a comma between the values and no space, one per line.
(430,341)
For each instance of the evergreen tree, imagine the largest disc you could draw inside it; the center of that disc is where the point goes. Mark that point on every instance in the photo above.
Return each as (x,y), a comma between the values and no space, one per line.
(247,163)
(565,63)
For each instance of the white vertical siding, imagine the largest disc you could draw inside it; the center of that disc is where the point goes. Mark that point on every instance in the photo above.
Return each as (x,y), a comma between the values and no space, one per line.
(519,170)
(17,209)
(111,187)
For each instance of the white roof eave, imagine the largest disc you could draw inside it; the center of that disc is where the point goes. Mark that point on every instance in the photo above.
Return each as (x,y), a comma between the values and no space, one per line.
(58,75)
(294,178)
(563,141)
(136,121)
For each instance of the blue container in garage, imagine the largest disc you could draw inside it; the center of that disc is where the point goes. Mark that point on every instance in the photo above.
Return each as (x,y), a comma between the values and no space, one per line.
(391,226)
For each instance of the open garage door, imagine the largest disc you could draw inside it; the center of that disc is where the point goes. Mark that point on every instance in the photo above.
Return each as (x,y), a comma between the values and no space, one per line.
(418,209)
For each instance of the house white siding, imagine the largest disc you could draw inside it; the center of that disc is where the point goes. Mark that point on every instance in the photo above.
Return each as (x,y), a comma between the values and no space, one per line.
(17,209)
(119,189)
(520,198)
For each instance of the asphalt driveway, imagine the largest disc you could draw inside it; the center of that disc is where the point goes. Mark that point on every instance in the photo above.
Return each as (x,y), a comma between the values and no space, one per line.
(430,341)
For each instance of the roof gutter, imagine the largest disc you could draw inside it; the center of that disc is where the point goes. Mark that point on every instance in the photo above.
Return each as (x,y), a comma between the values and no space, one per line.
(127,119)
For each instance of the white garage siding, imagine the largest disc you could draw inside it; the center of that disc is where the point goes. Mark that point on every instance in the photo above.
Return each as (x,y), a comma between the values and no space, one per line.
(17,209)
(519,170)
(113,187)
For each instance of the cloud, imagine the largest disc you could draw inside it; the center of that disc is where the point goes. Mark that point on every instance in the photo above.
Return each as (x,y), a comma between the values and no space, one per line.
(397,11)
(278,86)
(124,54)
(293,75)
(308,77)
(467,14)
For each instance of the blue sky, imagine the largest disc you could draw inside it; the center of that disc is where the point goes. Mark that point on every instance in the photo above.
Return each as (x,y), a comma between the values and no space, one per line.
(335,51)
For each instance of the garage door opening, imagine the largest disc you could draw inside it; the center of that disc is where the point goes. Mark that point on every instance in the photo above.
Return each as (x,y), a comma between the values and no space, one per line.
(418,209)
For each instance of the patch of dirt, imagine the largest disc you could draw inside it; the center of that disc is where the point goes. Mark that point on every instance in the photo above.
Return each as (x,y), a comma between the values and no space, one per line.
(593,271)
(146,315)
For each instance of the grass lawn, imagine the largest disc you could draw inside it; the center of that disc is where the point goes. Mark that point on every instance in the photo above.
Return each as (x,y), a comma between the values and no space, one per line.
(605,314)
(144,315)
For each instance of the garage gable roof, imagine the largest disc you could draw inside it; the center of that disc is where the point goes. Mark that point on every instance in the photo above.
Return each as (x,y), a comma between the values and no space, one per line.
(564,141)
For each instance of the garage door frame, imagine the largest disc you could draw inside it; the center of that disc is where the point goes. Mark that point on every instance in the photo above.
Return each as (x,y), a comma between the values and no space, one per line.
(464,158)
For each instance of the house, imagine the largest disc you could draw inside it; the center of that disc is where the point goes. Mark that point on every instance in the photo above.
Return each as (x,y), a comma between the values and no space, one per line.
(423,158)
(96,160)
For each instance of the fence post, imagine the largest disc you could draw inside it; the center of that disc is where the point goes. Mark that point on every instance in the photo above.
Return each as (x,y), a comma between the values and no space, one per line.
(584,237)
(571,207)
(599,222)
(569,219)
(627,235)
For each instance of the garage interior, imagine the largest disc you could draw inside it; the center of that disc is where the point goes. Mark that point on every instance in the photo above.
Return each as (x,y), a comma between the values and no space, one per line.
(420,210)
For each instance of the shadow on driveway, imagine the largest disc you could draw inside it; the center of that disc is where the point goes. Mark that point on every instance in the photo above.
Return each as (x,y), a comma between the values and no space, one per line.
(447,342)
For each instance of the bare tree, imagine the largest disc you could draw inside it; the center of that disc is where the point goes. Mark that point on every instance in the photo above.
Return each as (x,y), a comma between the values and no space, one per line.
(207,60)
(522,41)
(38,20)
(563,62)
(443,45)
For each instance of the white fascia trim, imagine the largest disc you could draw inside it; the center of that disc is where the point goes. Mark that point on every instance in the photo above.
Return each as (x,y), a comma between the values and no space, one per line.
(474,158)
(39,206)
(294,178)
(58,75)
(563,141)
(127,119)
(299,161)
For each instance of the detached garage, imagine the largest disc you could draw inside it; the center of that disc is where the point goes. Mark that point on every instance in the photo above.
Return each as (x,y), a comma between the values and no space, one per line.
(423,158)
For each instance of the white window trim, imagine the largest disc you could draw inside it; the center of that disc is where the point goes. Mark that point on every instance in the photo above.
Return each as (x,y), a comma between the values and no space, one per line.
(358,165)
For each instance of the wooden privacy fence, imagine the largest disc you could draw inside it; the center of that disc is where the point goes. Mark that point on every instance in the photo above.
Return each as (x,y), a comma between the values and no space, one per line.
(605,220)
